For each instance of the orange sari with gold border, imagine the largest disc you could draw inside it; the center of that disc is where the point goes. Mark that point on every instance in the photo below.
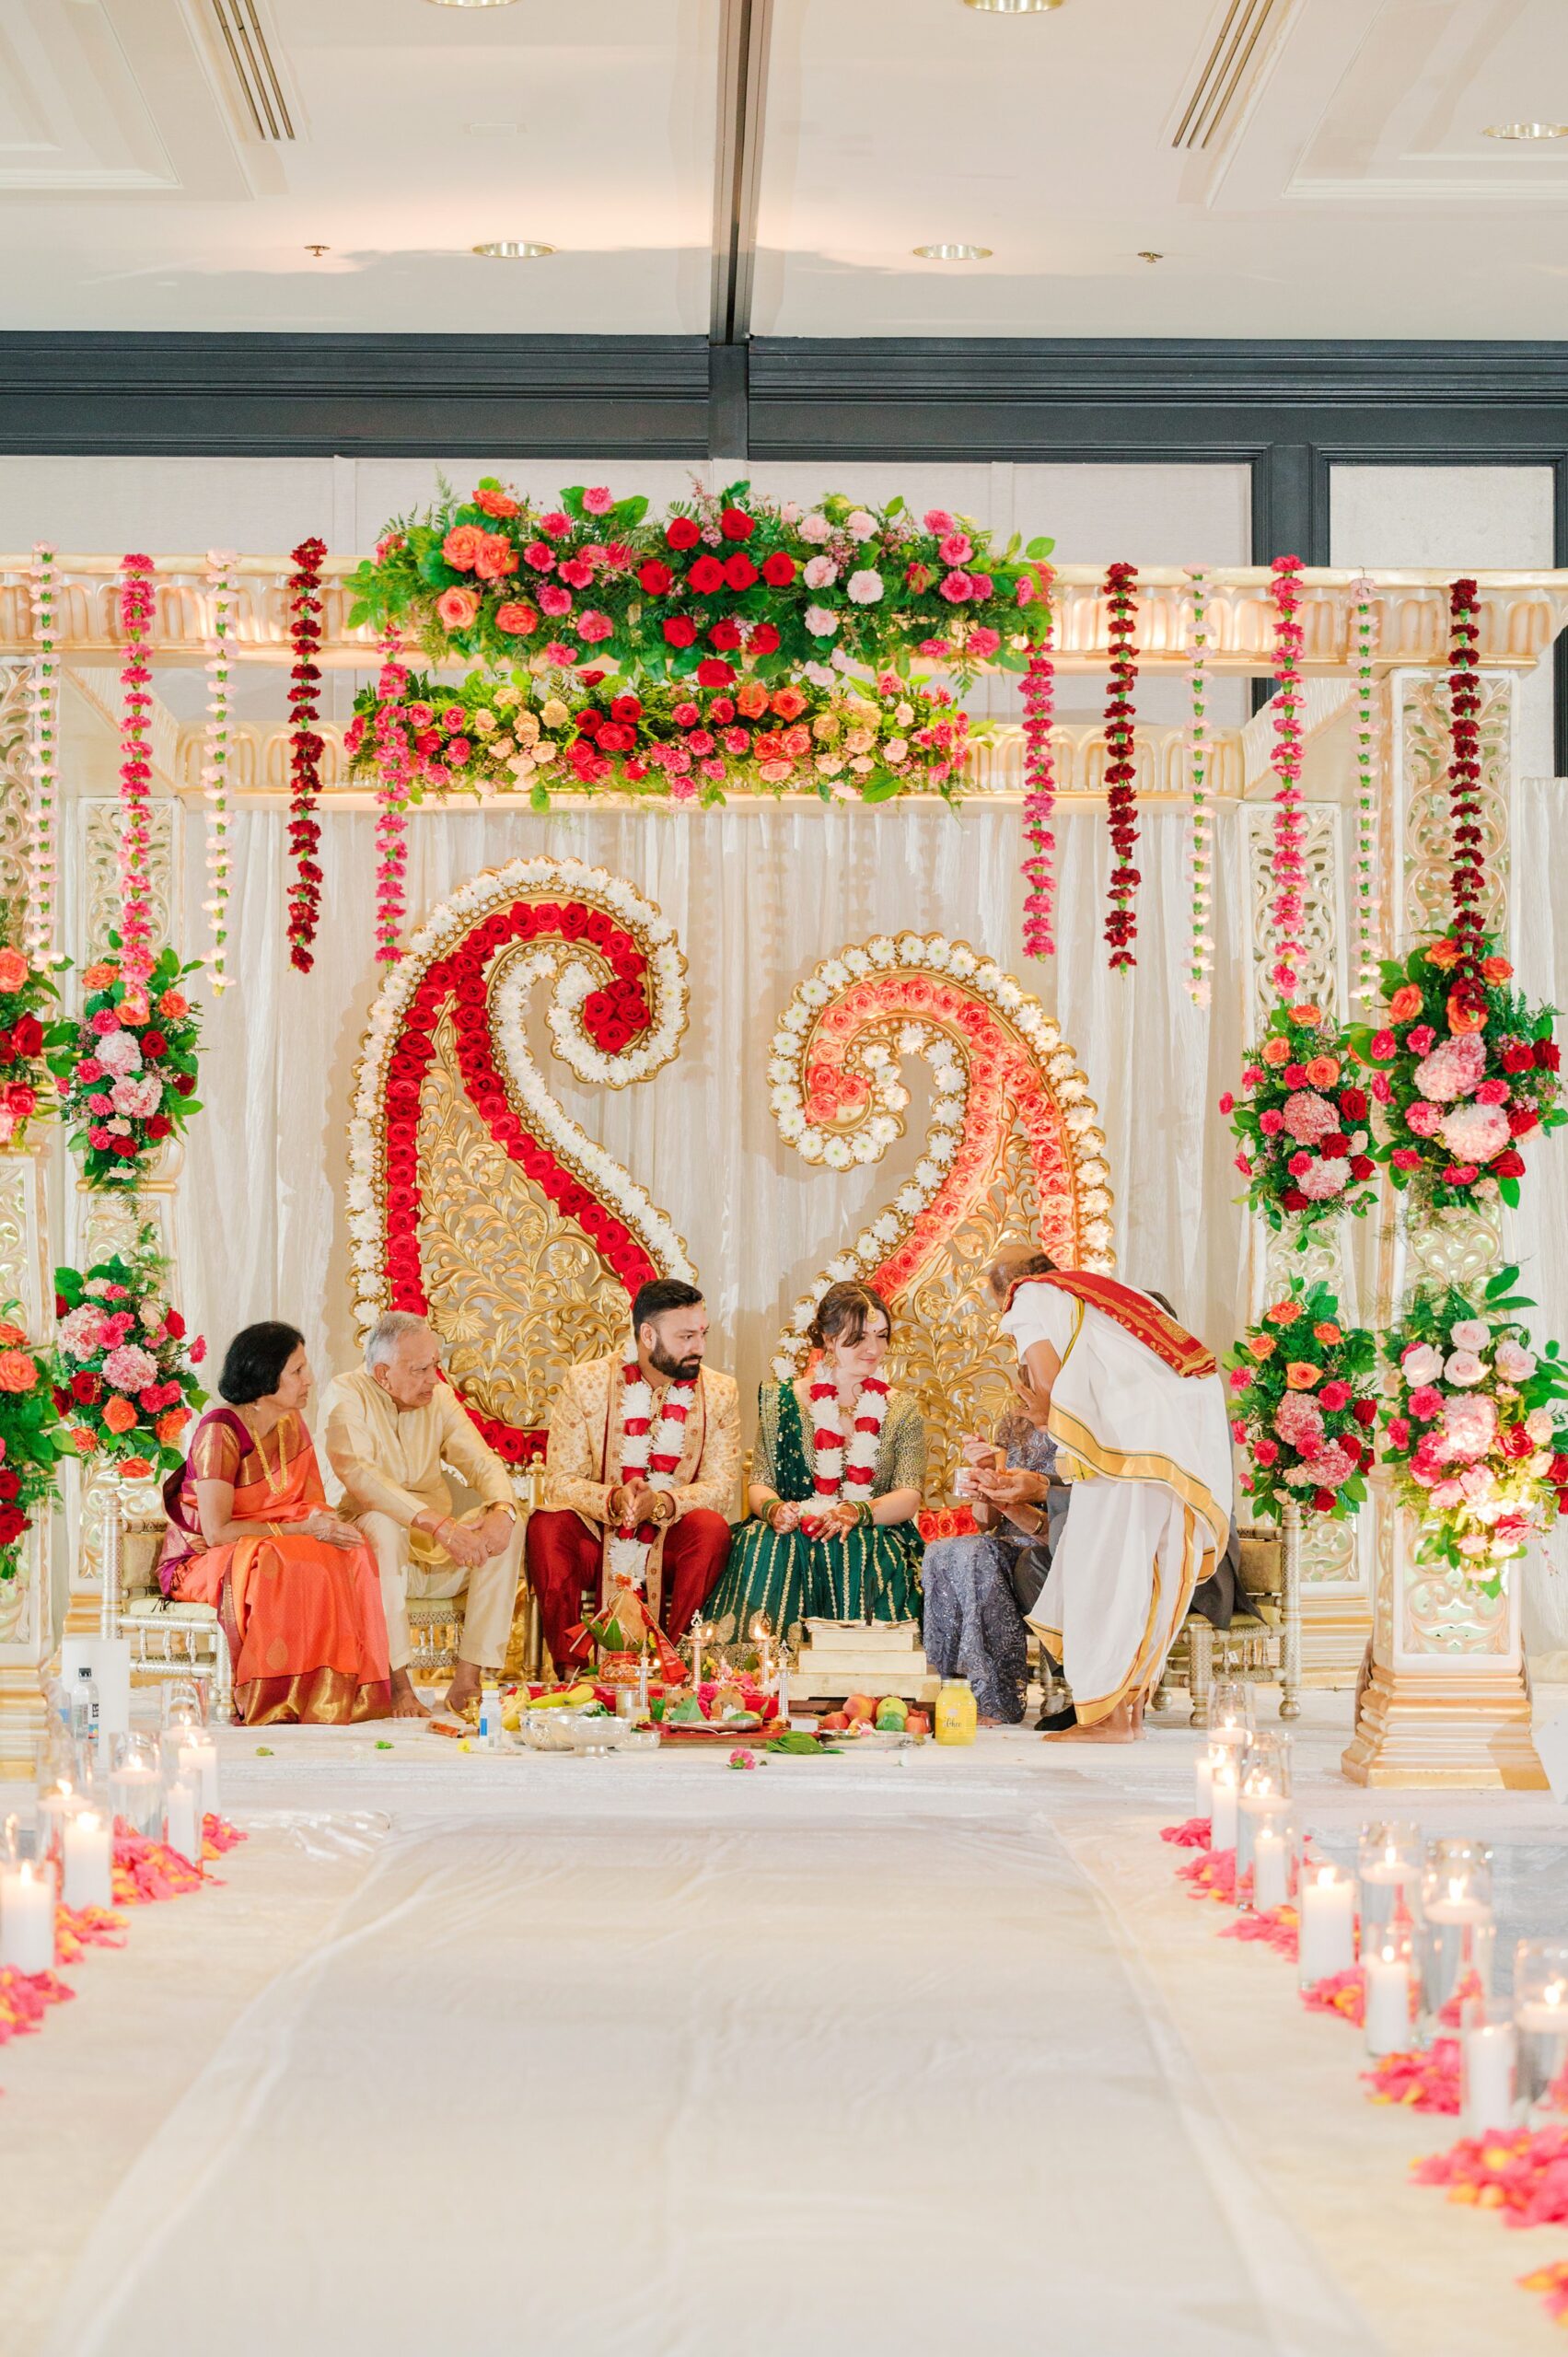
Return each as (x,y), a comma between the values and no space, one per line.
(304,1620)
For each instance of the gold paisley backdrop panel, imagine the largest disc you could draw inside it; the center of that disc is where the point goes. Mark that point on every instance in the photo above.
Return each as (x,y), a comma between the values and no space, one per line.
(757,899)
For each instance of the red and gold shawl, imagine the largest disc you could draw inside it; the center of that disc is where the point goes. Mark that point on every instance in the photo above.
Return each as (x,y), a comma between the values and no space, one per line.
(1142,1318)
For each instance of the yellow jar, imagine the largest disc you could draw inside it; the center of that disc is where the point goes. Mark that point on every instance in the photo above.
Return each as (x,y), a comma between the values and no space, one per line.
(958,1714)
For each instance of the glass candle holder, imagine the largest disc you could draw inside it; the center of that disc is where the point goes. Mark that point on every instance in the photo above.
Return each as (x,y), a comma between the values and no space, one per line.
(28,1889)
(1486,2066)
(1454,1933)
(1325,1902)
(1225,1783)
(1388,1982)
(1389,1873)
(135,1786)
(1273,1853)
(86,1842)
(185,1702)
(60,1799)
(197,1755)
(182,1817)
(1263,1796)
(1230,1711)
(1540,2018)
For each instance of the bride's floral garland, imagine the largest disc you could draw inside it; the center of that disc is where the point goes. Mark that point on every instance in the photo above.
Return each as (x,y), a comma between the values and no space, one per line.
(779,587)
(1121,768)
(649,1453)
(841,1473)
(531,735)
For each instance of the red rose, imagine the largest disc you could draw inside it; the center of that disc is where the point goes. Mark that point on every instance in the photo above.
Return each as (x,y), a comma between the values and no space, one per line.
(10,1484)
(706,576)
(1522,1119)
(1362,1165)
(725,637)
(1294,1200)
(626,708)
(736,525)
(13,1522)
(713,674)
(1323,1500)
(175,1323)
(87,1387)
(655,577)
(1508,1165)
(1353,1104)
(1517,1057)
(1548,1055)
(1335,1143)
(680,532)
(739,572)
(185,1083)
(679,629)
(778,570)
(159,1126)
(153,1042)
(28,1036)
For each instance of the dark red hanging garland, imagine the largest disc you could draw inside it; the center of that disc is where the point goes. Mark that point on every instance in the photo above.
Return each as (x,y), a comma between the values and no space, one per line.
(1469,867)
(1121,768)
(305,749)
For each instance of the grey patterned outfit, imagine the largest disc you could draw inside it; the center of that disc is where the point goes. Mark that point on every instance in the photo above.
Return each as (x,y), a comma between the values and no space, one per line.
(972,1625)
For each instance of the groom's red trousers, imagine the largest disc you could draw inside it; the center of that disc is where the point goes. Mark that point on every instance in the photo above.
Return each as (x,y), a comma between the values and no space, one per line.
(563,1559)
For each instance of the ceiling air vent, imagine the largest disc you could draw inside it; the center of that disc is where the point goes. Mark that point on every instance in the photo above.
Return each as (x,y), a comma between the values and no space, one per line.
(253,62)
(1224,78)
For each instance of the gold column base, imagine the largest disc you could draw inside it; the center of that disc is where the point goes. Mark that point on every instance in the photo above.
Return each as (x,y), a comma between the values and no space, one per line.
(1464,1733)
(1334,1635)
(21,1718)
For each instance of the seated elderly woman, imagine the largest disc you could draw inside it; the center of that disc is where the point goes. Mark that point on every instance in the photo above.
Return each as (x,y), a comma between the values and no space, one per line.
(250,1533)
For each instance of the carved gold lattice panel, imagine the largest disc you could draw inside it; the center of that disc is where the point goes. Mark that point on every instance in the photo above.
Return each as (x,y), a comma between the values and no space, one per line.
(1014,1147)
(100,867)
(1322,975)
(1442,1612)
(473,1196)
(1425,746)
(16,799)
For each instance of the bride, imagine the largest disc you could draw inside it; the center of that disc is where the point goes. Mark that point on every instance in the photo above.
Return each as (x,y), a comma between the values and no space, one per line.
(838,1471)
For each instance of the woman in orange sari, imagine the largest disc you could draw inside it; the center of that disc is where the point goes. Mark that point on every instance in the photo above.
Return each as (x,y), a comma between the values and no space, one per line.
(296,1587)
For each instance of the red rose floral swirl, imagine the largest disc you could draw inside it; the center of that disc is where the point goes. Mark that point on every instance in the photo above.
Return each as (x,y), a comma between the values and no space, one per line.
(617,1012)
(997,1060)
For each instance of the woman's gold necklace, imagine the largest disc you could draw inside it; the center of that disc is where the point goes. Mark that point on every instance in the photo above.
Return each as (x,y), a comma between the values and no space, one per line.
(275,1486)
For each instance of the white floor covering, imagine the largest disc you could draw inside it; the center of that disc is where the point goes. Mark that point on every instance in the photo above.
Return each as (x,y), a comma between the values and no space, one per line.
(645,2056)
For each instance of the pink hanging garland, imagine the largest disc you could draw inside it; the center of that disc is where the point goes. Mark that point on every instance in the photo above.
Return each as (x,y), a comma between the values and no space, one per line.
(1039,796)
(136,610)
(395,766)
(1290,826)
(1121,770)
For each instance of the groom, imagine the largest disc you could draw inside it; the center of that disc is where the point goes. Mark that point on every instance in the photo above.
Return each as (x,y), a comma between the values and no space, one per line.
(641,1471)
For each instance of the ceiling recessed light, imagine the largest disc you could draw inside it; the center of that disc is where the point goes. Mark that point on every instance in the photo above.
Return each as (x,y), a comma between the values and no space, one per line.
(512,249)
(1526,130)
(953,253)
(1010,8)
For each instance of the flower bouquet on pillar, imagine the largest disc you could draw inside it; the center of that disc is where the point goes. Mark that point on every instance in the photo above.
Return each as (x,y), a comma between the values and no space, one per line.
(1300,1123)
(1304,1406)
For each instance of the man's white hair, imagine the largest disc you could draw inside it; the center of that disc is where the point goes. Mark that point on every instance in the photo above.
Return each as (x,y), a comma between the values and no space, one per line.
(381,1343)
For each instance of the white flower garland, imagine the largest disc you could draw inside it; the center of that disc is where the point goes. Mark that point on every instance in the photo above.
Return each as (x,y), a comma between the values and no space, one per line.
(440,933)
(44,746)
(215,762)
(840,1472)
(1200,851)
(650,1452)
(879,1124)
(1363,591)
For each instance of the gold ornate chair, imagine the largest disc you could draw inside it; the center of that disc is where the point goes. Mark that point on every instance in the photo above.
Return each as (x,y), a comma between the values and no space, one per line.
(167,1640)
(1262,1644)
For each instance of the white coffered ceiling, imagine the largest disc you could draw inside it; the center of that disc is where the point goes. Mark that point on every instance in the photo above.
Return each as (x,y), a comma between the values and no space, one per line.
(1311,167)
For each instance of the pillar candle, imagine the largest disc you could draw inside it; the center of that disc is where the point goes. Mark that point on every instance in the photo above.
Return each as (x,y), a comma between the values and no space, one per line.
(198,1756)
(1203,1784)
(1486,2065)
(1222,1812)
(26,1916)
(1269,1869)
(136,1794)
(183,1812)
(88,1877)
(1325,1903)
(1387,2023)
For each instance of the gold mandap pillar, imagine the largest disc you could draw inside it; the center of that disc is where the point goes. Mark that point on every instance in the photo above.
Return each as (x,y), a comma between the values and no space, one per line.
(1444,1702)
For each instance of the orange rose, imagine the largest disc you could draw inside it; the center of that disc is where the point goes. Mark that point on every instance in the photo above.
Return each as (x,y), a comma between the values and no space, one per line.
(99,978)
(1496,970)
(1284,1312)
(11,1335)
(135,1468)
(17,1372)
(1260,1345)
(1442,953)
(1299,1377)
(1276,1050)
(1405,1003)
(170,1427)
(173,1005)
(118,1413)
(1308,1017)
(1323,1071)
(13,970)
(133,1008)
(1462,1016)
(1327,1332)
(83,1440)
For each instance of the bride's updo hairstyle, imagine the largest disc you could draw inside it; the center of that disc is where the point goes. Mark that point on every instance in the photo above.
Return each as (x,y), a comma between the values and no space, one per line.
(841,1314)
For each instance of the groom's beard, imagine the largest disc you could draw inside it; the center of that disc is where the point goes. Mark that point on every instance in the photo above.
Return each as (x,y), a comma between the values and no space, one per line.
(678,1370)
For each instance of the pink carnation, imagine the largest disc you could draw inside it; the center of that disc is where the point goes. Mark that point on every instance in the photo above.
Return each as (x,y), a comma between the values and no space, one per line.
(1271,1123)
(1425,1401)
(598,502)
(1423,1117)
(1492,1092)
(1447,1495)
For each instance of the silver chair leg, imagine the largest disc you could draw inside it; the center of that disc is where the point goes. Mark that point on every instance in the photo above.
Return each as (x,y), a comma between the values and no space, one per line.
(1290,1643)
(1200,1638)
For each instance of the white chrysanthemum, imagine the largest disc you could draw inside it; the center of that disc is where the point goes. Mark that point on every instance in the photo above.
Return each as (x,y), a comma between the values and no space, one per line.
(858,962)
(880,950)
(837,1154)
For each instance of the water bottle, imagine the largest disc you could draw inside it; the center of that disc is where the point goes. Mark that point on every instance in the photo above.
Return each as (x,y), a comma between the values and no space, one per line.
(83,1709)
(489,1717)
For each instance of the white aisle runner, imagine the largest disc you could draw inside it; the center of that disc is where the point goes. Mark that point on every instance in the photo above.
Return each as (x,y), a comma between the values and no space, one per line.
(618,2088)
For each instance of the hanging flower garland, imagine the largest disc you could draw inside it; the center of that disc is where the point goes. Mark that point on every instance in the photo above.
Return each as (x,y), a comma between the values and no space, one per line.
(395,763)
(1290,826)
(1039,792)
(305,750)
(215,766)
(136,610)
(42,854)
(1363,590)
(1467,866)
(1121,768)
(1202,841)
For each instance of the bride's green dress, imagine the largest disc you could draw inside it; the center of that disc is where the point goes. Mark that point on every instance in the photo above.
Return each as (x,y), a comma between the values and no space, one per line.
(868,1574)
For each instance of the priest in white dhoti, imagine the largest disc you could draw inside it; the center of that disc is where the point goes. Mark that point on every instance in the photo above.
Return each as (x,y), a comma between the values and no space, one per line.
(1138,1412)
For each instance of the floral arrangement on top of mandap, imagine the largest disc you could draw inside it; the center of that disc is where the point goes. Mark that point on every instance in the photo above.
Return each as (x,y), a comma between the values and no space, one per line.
(1464,1071)
(30,1025)
(525,735)
(30,1442)
(1306,1404)
(127,1070)
(1473,1430)
(125,1372)
(1301,1123)
(727,578)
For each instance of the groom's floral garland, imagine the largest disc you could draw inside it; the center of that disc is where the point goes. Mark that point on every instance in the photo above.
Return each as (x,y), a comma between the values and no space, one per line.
(525,735)
(1465,1070)
(1305,1405)
(1300,1123)
(1474,1428)
(778,588)
(842,1472)
(647,1453)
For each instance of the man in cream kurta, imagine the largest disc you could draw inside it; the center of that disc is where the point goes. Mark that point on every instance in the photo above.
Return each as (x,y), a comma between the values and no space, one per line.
(390,1429)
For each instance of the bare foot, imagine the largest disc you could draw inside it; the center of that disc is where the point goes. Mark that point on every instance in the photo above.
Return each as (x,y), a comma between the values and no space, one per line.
(466,1687)
(1125,1724)
(406,1704)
